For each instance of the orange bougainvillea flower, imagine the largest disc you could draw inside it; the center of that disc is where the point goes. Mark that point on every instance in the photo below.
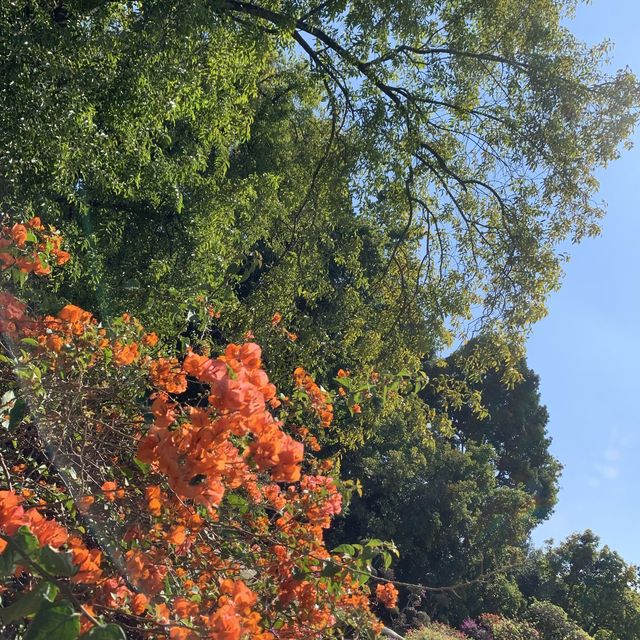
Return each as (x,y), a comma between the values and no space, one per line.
(88,563)
(167,375)
(150,339)
(62,257)
(85,622)
(153,495)
(125,354)
(276,318)
(177,535)
(12,515)
(52,342)
(139,603)
(19,234)
(10,307)
(35,223)
(7,259)
(40,268)
(111,491)
(145,571)
(319,398)
(182,633)
(38,259)
(48,532)
(387,594)
(72,314)
(84,502)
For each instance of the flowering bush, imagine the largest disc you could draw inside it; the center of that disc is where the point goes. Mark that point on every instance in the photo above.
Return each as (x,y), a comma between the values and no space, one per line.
(435,631)
(159,495)
(474,629)
(500,628)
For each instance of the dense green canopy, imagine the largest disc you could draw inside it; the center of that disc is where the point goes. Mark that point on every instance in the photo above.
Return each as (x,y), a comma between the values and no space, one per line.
(458,507)
(592,583)
(394,168)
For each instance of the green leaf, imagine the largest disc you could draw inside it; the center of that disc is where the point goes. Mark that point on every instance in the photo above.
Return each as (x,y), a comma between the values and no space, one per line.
(167,586)
(143,466)
(17,413)
(347,549)
(238,502)
(107,632)
(23,540)
(347,383)
(330,569)
(57,563)
(57,620)
(29,603)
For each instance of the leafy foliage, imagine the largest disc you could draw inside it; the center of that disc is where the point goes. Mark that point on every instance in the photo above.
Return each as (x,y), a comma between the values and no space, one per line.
(354,185)
(435,631)
(552,622)
(197,518)
(462,503)
(593,584)
(411,163)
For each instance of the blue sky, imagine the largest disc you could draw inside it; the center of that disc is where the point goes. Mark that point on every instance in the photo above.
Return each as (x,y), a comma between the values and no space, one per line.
(587,350)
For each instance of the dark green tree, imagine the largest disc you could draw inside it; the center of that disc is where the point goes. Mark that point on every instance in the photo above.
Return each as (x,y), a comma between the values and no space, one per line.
(451,521)
(593,584)
(460,505)
(512,421)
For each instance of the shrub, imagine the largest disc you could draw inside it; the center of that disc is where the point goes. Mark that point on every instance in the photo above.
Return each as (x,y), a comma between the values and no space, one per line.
(435,631)
(166,496)
(502,628)
(553,623)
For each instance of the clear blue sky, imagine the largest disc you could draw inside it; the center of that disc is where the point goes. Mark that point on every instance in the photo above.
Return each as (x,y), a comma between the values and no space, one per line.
(587,350)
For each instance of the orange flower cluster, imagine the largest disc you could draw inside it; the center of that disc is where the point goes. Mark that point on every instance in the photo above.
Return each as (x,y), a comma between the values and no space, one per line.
(13,316)
(320,400)
(234,617)
(146,570)
(198,451)
(88,562)
(387,594)
(74,333)
(221,536)
(111,491)
(27,248)
(13,516)
(276,319)
(167,374)
(320,512)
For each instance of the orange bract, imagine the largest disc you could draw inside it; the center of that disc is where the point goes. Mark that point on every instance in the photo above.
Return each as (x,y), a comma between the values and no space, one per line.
(168,375)
(319,398)
(387,594)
